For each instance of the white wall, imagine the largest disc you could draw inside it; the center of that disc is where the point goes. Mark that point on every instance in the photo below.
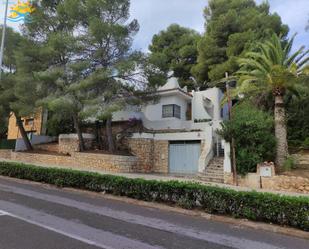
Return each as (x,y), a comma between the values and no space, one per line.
(198,110)
(153,112)
(176,136)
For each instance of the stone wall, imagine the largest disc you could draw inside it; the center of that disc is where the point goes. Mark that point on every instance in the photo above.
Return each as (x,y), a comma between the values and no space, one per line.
(68,143)
(286,183)
(87,161)
(51,147)
(152,154)
(112,163)
(160,155)
(276,183)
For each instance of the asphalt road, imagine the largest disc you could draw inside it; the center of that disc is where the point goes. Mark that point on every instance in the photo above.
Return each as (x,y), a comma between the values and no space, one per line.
(34,216)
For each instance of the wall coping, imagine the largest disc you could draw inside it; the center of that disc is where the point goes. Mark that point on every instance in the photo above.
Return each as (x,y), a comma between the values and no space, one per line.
(75,136)
(102,155)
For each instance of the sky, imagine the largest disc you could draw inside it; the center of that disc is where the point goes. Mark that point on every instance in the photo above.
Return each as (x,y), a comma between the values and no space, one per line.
(156,15)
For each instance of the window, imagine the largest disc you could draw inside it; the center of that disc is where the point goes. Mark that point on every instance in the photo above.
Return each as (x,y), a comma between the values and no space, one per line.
(29,122)
(170,111)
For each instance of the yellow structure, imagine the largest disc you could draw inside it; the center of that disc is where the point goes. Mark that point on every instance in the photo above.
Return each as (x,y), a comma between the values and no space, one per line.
(34,124)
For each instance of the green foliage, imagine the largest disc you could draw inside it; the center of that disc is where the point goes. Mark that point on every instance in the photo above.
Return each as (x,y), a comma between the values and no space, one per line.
(232,26)
(175,49)
(289,164)
(252,130)
(271,67)
(59,123)
(7,144)
(298,118)
(305,144)
(282,210)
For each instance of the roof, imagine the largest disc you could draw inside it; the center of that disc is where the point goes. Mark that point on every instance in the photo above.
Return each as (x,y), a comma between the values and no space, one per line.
(172,86)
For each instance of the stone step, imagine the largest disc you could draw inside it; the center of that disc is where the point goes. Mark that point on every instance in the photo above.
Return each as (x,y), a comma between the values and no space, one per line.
(212,179)
(214,167)
(211,173)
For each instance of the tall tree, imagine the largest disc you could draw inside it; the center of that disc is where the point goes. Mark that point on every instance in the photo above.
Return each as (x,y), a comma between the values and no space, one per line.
(90,60)
(271,67)
(117,74)
(232,26)
(175,49)
(18,90)
(55,27)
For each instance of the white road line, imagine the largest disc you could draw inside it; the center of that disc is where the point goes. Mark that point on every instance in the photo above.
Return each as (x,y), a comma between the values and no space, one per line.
(77,231)
(72,236)
(2,213)
(221,239)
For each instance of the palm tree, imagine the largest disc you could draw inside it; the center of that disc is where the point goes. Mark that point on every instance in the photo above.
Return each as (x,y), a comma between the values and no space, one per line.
(272,68)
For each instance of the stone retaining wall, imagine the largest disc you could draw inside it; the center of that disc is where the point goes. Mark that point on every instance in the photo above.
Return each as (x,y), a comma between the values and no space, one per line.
(286,183)
(87,161)
(69,143)
(277,183)
(152,154)
(51,147)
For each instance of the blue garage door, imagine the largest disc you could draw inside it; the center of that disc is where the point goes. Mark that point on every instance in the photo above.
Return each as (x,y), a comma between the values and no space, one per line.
(184,156)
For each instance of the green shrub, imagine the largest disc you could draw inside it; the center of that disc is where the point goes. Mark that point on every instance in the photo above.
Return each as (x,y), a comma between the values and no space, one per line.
(305,144)
(289,164)
(254,137)
(283,210)
(7,144)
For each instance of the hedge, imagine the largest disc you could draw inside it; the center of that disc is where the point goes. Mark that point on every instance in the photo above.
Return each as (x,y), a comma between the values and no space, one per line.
(267,207)
(7,144)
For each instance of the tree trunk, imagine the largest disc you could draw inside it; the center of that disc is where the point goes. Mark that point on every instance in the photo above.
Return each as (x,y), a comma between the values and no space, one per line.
(109,133)
(280,132)
(23,133)
(79,133)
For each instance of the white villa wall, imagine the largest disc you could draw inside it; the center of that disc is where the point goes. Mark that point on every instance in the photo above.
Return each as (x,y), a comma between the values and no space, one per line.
(175,136)
(198,110)
(153,112)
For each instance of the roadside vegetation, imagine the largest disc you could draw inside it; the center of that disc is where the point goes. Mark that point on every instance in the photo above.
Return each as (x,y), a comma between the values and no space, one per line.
(255,141)
(266,207)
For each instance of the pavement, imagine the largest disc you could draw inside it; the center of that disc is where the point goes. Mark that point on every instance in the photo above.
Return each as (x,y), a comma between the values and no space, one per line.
(37,216)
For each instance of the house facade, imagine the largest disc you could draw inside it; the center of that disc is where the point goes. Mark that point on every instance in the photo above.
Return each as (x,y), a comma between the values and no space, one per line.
(180,134)
(34,124)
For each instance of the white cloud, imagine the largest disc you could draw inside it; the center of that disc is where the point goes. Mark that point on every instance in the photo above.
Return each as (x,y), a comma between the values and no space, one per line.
(156,15)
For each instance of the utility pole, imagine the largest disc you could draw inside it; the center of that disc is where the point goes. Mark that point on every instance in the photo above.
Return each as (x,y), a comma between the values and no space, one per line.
(3,36)
(233,152)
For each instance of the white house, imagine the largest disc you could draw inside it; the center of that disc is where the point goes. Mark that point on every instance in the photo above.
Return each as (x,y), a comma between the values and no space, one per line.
(186,121)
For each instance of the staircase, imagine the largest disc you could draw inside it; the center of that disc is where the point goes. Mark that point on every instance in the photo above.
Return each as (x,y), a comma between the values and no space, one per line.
(302,160)
(214,171)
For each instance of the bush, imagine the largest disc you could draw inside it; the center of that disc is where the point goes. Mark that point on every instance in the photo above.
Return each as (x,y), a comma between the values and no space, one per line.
(298,118)
(283,210)
(289,164)
(7,144)
(305,144)
(254,137)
